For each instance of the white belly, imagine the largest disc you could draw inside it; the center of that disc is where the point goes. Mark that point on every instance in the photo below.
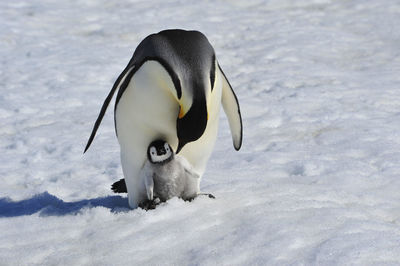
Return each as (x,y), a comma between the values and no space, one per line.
(147,111)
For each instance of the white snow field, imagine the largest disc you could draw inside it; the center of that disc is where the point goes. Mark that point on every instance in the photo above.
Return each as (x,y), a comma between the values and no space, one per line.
(317,181)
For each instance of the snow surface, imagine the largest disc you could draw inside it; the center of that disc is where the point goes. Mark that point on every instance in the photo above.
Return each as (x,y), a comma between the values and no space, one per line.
(317,181)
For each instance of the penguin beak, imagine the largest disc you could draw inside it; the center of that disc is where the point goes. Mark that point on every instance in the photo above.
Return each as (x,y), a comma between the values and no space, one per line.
(181,142)
(191,125)
(180,146)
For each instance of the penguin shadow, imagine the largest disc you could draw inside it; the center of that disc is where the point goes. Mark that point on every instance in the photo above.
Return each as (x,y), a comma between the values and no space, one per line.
(49,205)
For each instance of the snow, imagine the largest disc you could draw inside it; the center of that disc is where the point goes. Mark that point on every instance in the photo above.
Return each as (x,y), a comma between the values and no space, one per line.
(316,181)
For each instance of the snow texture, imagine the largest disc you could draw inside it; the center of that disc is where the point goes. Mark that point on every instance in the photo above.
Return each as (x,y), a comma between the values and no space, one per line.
(317,181)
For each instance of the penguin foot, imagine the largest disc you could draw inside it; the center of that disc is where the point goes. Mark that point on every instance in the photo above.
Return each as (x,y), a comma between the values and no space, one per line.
(119,186)
(211,196)
(150,204)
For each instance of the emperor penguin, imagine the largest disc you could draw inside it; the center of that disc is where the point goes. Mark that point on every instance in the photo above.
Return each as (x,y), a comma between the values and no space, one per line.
(167,175)
(171,89)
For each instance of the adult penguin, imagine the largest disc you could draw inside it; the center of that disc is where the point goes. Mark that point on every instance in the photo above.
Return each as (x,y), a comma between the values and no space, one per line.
(171,89)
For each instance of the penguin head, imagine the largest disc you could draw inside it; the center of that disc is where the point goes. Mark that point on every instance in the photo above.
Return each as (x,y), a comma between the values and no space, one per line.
(191,63)
(191,125)
(159,152)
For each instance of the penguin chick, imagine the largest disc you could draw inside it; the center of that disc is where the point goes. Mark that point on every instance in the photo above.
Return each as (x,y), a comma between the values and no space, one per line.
(167,175)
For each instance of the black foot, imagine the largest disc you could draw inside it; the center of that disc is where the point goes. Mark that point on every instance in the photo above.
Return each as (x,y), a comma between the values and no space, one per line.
(149,204)
(119,186)
(211,196)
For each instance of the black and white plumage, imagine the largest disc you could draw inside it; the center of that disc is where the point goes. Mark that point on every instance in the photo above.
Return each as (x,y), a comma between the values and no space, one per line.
(167,175)
(171,89)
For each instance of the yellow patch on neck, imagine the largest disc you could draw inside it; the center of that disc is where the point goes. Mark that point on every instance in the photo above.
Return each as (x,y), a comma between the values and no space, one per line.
(181,112)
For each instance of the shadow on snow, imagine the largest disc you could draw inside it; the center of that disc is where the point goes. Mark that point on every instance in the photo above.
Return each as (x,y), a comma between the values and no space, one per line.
(49,205)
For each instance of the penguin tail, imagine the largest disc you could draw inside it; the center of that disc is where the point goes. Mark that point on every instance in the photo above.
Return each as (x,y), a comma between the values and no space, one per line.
(119,187)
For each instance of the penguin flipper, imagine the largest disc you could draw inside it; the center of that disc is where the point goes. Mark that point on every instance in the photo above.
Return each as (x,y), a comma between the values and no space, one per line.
(149,184)
(232,110)
(110,95)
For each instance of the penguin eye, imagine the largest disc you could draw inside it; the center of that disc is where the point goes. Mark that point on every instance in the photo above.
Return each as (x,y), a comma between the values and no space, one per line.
(152,151)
